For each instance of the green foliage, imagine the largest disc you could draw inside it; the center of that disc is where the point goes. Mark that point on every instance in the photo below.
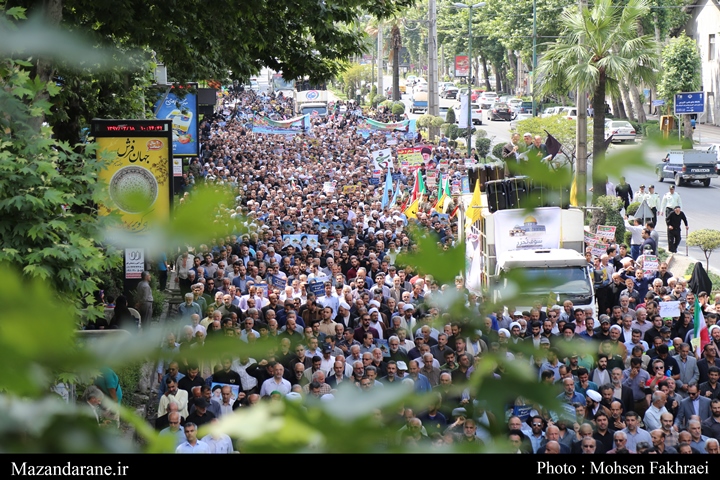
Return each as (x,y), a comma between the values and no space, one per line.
(497,150)
(450,117)
(632,208)
(599,46)
(681,69)
(354,75)
(482,145)
(452,132)
(481,133)
(424,120)
(707,240)
(437,122)
(398,108)
(609,214)
(47,190)
(560,127)
(129,377)
(378,99)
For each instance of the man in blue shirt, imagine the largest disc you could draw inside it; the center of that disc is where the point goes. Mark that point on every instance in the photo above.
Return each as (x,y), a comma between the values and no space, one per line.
(422,384)
(570,396)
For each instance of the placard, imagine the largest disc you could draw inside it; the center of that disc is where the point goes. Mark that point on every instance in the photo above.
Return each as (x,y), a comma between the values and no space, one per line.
(317,285)
(278,282)
(300,241)
(134,262)
(607,232)
(599,249)
(382,159)
(670,309)
(590,239)
(329,187)
(650,264)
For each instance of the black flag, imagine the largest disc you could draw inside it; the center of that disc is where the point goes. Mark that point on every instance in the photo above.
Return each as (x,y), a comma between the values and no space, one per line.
(552,144)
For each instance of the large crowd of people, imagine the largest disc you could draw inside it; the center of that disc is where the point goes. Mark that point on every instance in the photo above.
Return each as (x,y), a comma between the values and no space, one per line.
(314,285)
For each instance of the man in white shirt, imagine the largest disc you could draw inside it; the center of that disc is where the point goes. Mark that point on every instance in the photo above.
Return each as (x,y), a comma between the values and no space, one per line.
(218,442)
(173,394)
(240,366)
(277,382)
(192,444)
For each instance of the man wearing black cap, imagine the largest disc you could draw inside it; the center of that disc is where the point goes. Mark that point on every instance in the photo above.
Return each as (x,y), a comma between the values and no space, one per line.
(201,415)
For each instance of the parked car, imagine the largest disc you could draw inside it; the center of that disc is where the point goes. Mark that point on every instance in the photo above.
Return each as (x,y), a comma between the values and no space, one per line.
(501,111)
(443,85)
(492,96)
(551,111)
(620,130)
(519,118)
(475,111)
(569,112)
(450,92)
(525,107)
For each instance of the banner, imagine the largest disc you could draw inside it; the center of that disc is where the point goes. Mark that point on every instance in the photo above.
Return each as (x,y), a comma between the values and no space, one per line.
(300,241)
(591,239)
(462,117)
(599,249)
(650,263)
(516,230)
(293,126)
(382,159)
(367,126)
(317,285)
(138,172)
(462,66)
(278,282)
(184,115)
(414,156)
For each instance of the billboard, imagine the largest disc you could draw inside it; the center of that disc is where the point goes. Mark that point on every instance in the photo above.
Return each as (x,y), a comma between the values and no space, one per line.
(183,111)
(520,230)
(138,170)
(462,66)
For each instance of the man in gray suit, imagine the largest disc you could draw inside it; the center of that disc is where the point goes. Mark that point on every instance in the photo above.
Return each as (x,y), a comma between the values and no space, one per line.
(689,372)
(693,405)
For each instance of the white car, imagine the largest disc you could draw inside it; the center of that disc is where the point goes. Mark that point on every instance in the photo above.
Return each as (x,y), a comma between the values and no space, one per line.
(475,111)
(569,112)
(488,97)
(420,87)
(620,130)
(519,118)
(443,85)
(551,111)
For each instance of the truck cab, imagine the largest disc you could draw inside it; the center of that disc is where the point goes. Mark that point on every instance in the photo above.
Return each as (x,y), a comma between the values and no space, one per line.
(561,273)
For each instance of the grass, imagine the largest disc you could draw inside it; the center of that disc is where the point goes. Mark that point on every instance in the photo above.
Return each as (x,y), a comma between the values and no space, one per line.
(338,93)
(715,279)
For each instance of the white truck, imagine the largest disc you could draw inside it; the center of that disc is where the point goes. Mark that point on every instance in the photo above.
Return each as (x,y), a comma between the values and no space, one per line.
(546,244)
(311,102)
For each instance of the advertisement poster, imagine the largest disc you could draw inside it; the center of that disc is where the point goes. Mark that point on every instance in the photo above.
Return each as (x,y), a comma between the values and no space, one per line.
(518,230)
(138,180)
(462,66)
(184,115)
(134,262)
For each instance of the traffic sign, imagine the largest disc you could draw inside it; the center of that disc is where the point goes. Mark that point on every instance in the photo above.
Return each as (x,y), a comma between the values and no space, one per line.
(690,102)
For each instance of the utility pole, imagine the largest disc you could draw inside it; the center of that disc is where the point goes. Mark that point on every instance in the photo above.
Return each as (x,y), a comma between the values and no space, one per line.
(532,77)
(442,59)
(581,136)
(432,59)
(380,56)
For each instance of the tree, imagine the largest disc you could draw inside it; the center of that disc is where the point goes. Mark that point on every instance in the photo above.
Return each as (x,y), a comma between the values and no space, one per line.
(450,117)
(355,75)
(560,127)
(598,48)
(707,240)
(682,70)
(396,45)
(48,232)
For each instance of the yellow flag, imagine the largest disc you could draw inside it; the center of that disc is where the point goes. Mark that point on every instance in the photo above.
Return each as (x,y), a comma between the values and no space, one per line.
(573,192)
(473,213)
(412,210)
(440,206)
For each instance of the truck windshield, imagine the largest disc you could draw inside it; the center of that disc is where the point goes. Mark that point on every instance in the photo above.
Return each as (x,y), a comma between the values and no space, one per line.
(562,281)
(314,111)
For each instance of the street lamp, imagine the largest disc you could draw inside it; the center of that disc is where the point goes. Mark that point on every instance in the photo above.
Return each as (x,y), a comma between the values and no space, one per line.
(469,111)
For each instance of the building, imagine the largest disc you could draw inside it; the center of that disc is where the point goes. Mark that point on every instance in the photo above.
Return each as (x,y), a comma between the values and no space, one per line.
(704,28)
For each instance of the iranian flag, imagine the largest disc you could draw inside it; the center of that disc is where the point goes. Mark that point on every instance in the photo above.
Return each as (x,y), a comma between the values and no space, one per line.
(701,329)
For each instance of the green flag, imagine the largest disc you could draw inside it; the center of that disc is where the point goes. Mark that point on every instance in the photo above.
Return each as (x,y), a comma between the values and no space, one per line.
(447,188)
(421,183)
(440,187)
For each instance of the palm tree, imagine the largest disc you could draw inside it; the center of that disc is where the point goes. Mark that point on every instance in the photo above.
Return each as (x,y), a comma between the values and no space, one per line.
(396,45)
(598,48)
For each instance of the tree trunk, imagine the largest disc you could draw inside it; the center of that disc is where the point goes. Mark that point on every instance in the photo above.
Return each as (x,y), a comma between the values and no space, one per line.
(619,108)
(598,103)
(45,67)
(487,74)
(396,45)
(626,101)
(498,78)
(637,103)
(688,130)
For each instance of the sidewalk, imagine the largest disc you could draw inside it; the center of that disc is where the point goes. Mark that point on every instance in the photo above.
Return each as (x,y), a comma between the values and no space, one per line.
(704,133)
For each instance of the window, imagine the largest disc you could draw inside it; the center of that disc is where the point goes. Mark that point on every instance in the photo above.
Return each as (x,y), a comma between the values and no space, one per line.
(711,47)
